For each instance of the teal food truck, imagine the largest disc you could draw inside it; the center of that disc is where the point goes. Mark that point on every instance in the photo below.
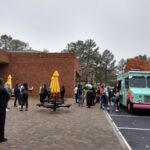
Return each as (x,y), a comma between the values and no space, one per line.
(134,89)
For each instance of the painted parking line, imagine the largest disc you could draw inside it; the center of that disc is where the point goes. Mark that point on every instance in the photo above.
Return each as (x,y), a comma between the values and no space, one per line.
(121,138)
(129,116)
(127,128)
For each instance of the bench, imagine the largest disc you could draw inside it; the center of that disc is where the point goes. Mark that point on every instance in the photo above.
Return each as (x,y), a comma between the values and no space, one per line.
(54,106)
(57,106)
(40,104)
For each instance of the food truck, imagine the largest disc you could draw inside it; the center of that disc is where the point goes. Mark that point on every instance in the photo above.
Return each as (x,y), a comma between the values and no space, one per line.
(134,89)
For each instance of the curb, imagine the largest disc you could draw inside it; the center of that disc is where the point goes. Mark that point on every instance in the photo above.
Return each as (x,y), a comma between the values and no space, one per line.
(119,135)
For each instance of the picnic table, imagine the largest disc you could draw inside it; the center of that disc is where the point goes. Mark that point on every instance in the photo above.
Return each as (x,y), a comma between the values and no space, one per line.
(53,104)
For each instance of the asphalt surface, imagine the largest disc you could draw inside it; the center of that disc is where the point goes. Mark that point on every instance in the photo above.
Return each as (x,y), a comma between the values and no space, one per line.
(74,128)
(134,127)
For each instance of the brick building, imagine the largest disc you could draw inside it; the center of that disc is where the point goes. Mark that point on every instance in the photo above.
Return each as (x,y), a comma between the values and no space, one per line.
(36,68)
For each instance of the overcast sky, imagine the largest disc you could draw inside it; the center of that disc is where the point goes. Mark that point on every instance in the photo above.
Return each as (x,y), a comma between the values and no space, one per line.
(121,26)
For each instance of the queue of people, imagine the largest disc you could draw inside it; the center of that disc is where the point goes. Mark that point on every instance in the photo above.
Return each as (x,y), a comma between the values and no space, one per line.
(83,94)
(109,97)
(103,95)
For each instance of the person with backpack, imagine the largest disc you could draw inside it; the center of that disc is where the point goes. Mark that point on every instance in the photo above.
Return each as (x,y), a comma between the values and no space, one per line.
(102,96)
(62,92)
(89,97)
(17,95)
(43,93)
(24,99)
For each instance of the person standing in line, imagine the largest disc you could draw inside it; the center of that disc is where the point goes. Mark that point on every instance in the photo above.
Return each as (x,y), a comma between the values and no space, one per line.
(110,95)
(20,98)
(98,95)
(3,104)
(48,92)
(17,95)
(102,96)
(94,95)
(117,99)
(84,94)
(80,95)
(62,92)
(8,89)
(40,89)
(75,94)
(89,97)
(43,93)
(113,100)
(24,97)
(106,98)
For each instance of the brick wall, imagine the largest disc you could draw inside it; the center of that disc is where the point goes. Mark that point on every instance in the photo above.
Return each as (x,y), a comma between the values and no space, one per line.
(37,68)
(4,57)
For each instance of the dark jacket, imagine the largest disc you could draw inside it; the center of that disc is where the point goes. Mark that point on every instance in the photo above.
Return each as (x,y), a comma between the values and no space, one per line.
(17,91)
(24,92)
(89,97)
(4,97)
(62,90)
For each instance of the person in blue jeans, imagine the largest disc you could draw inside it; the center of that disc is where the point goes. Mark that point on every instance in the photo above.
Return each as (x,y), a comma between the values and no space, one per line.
(115,98)
(102,96)
(80,95)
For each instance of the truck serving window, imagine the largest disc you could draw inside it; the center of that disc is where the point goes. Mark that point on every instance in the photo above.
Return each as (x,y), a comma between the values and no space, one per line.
(138,82)
(148,82)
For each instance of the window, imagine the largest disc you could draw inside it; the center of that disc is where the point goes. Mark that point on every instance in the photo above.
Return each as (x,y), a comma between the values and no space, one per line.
(148,82)
(138,82)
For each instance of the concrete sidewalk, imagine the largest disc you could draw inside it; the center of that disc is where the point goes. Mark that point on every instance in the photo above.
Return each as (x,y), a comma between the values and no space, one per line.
(74,128)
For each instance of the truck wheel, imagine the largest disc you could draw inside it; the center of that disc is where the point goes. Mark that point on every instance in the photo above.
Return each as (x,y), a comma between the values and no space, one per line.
(130,107)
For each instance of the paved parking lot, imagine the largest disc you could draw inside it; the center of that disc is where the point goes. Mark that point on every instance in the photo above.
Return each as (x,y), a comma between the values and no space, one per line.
(76,128)
(134,127)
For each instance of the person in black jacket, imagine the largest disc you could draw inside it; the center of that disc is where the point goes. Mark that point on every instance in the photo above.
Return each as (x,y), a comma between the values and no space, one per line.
(43,93)
(17,95)
(3,104)
(89,97)
(24,92)
(62,92)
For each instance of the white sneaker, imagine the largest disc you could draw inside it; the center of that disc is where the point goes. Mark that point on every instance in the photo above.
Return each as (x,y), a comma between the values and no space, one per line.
(117,110)
(7,109)
(19,106)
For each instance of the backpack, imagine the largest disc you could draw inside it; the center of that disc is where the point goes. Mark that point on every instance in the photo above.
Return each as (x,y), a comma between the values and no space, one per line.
(43,91)
(24,92)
